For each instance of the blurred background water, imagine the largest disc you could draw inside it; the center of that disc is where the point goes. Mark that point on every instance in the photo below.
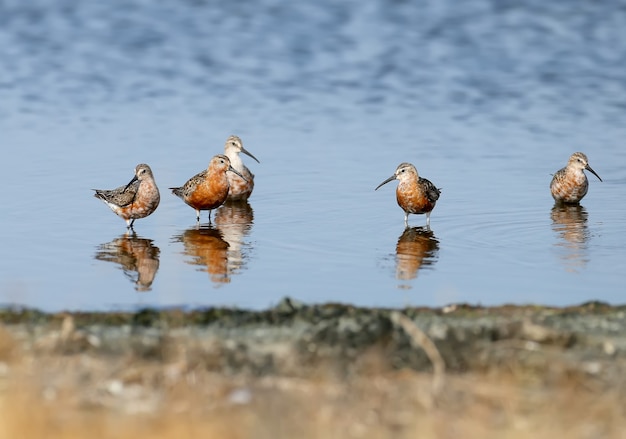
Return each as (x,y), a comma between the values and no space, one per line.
(487,98)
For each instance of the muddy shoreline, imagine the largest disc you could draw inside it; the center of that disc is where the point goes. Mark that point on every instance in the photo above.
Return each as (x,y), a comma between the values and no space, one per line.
(312,371)
(293,338)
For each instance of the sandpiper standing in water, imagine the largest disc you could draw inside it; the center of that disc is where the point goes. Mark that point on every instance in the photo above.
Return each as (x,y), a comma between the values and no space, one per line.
(208,189)
(138,199)
(570,184)
(414,194)
(240,188)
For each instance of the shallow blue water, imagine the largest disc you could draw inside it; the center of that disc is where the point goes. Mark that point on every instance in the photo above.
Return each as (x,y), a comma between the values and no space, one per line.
(486,98)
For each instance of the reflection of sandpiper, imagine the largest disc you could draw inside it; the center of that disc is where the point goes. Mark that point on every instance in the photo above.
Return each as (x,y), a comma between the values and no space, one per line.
(220,248)
(207,248)
(240,188)
(414,194)
(417,248)
(234,219)
(208,189)
(138,199)
(138,258)
(570,184)
(569,221)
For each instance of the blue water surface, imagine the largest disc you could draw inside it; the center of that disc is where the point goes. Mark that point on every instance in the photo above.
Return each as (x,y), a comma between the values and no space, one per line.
(487,98)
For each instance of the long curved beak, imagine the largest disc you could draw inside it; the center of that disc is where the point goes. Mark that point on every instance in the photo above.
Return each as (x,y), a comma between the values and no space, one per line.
(588,168)
(393,177)
(249,154)
(135,179)
(233,170)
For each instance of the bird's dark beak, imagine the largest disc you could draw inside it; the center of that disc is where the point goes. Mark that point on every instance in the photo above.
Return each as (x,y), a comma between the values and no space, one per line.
(588,168)
(130,182)
(249,154)
(393,177)
(233,170)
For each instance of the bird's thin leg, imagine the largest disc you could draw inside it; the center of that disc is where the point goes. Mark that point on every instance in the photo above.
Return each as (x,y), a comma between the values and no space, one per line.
(428,220)
(197,216)
(210,211)
(406,219)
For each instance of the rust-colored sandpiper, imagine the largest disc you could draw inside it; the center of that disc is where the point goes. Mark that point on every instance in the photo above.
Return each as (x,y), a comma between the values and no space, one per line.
(208,189)
(240,188)
(138,199)
(414,194)
(570,184)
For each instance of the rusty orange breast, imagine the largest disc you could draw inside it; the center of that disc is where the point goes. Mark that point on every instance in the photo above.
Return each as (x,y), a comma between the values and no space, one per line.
(211,193)
(146,201)
(412,198)
(569,187)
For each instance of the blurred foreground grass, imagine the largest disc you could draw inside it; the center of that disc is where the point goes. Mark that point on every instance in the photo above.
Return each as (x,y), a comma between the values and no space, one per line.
(52,393)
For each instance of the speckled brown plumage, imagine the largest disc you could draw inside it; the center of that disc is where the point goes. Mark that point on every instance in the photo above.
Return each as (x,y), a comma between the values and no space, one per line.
(138,199)
(208,189)
(570,184)
(414,194)
(240,188)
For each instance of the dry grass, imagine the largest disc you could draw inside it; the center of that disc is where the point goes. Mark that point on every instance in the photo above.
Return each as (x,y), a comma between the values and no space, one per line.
(47,394)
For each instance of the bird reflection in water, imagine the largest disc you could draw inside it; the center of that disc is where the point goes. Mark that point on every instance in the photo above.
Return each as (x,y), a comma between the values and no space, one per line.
(569,222)
(417,249)
(220,248)
(137,257)
(235,219)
